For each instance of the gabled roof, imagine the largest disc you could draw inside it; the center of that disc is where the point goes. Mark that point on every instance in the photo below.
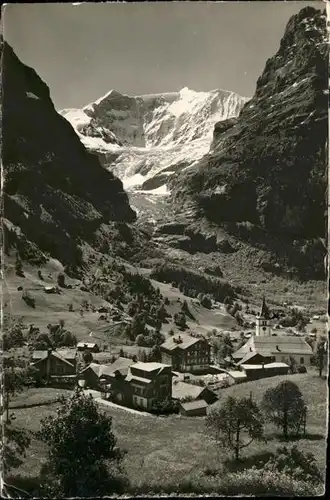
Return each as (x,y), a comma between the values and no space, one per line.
(268,346)
(54,354)
(121,365)
(67,353)
(194,405)
(186,341)
(63,353)
(250,355)
(182,390)
(150,366)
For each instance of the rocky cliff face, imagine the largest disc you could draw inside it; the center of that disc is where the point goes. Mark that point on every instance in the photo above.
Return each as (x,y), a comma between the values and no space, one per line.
(56,194)
(268,166)
(146,139)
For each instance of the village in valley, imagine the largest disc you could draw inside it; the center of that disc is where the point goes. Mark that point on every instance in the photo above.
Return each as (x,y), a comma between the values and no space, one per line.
(180,381)
(164,256)
(188,369)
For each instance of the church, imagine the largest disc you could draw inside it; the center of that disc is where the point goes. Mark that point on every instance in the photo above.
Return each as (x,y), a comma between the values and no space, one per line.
(265,348)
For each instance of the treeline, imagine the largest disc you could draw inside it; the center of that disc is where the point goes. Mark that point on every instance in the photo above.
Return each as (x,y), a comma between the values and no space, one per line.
(192,283)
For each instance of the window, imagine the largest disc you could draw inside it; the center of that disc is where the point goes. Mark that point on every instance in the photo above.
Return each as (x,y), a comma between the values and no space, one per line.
(301,361)
(283,359)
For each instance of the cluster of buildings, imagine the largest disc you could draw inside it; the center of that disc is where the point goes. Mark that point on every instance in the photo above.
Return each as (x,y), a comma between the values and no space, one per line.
(141,385)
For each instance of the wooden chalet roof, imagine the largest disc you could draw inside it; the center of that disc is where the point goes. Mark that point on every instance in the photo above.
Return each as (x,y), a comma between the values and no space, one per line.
(182,341)
(194,405)
(182,390)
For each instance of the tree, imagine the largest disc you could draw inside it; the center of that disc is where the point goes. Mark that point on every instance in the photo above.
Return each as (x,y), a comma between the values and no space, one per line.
(206,301)
(19,266)
(13,337)
(293,364)
(82,457)
(236,424)
(321,355)
(155,354)
(284,405)
(61,280)
(180,320)
(13,446)
(15,376)
(87,357)
(28,299)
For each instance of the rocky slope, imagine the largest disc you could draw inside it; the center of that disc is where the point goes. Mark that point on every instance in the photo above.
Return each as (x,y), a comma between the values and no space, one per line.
(57,196)
(269,166)
(146,139)
(264,179)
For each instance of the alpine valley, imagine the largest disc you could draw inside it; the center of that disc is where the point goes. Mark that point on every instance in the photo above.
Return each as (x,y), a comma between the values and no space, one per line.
(208,191)
(146,240)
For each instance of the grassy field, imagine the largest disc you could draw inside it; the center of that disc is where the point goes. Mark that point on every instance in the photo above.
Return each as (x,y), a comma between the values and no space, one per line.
(169,450)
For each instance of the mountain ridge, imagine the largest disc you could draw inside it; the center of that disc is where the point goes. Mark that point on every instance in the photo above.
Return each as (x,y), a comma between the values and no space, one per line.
(251,171)
(144,139)
(57,196)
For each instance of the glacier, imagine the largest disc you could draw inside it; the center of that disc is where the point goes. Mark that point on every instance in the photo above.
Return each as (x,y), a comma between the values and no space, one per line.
(146,139)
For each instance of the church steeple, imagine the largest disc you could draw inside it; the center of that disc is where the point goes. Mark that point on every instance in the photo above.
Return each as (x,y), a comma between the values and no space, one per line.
(264,313)
(262,320)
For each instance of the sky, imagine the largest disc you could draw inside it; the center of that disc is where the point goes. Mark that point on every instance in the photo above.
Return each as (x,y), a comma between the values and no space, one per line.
(83,51)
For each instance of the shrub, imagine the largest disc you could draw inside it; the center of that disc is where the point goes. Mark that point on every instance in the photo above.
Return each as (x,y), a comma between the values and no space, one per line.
(19,266)
(298,464)
(302,369)
(29,301)
(61,280)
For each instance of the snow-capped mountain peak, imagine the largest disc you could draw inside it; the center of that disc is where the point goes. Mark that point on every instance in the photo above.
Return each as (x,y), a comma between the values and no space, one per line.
(144,139)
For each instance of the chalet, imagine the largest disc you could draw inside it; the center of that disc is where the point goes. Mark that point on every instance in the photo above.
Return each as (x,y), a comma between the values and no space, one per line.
(150,382)
(90,346)
(181,391)
(129,383)
(196,408)
(54,363)
(96,374)
(270,349)
(186,354)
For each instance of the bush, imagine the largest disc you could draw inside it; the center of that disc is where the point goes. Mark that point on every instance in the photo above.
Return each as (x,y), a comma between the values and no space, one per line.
(19,266)
(61,280)
(29,301)
(165,407)
(302,369)
(206,301)
(299,465)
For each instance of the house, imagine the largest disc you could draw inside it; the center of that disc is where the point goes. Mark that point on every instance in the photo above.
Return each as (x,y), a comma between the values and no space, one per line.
(275,349)
(182,391)
(52,363)
(186,354)
(90,346)
(254,372)
(194,408)
(129,383)
(95,374)
(150,382)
